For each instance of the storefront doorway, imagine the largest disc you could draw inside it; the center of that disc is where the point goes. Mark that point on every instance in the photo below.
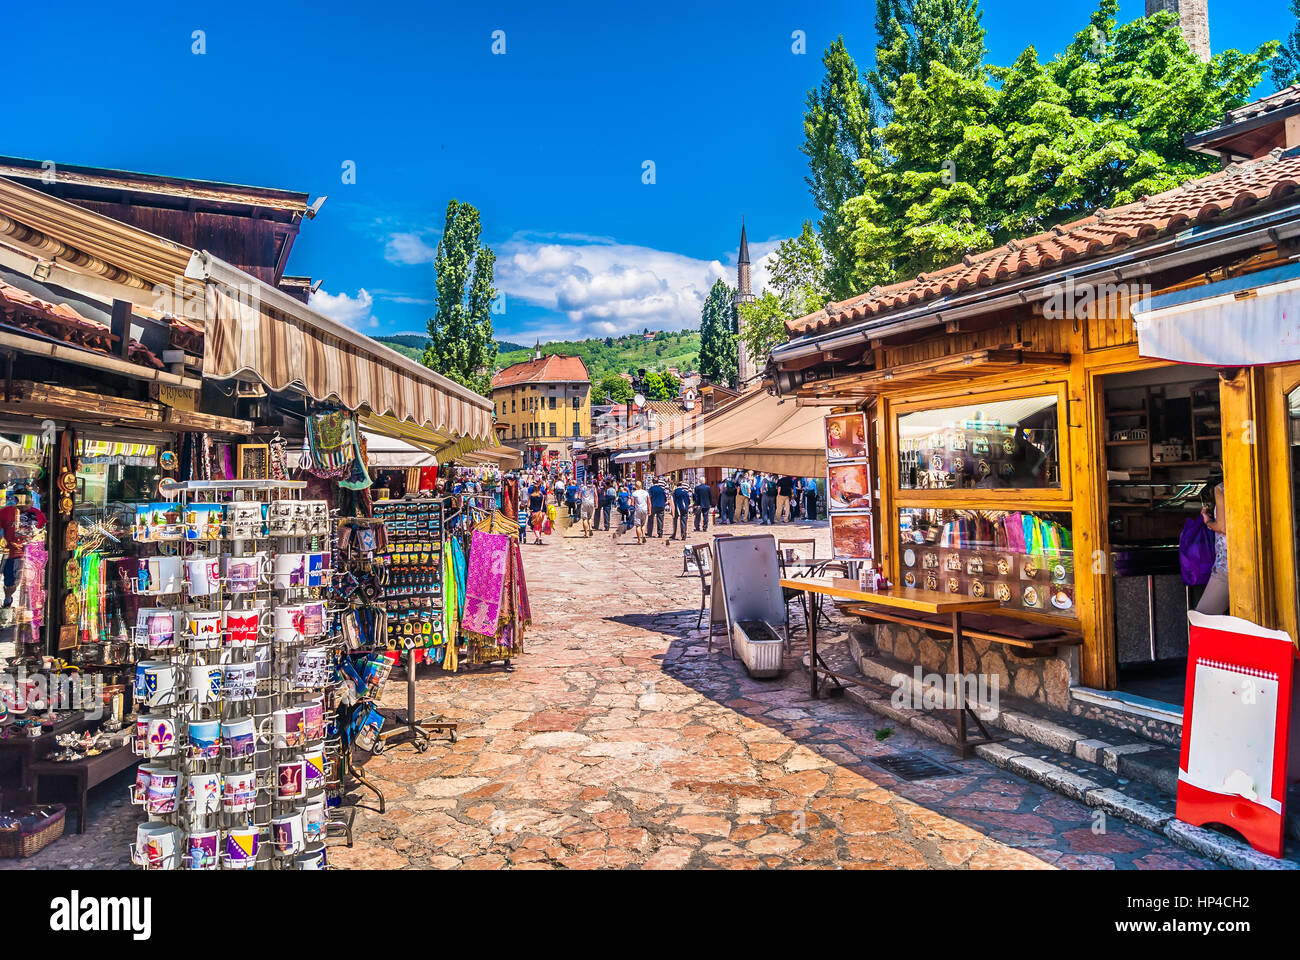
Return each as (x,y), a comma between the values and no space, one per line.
(1163,457)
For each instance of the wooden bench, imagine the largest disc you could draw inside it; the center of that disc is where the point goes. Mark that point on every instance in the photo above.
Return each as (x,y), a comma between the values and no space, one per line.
(87,773)
(1027,640)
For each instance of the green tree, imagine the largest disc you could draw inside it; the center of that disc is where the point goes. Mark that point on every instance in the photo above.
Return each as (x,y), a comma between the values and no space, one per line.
(913,34)
(718,356)
(838,125)
(1286,67)
(974,161)
(614,387)
(460,344)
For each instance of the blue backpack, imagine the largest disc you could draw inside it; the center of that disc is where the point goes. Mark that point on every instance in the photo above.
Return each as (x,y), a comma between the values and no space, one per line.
(1196,552)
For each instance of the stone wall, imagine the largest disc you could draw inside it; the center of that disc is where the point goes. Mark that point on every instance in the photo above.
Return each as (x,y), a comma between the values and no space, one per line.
(1044,680)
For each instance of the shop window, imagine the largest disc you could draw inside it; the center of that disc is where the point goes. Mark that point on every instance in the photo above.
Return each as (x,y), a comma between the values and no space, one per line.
(999,444)
(1023,560)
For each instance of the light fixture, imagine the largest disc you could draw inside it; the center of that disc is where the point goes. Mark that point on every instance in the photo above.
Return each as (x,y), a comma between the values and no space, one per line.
(42,270)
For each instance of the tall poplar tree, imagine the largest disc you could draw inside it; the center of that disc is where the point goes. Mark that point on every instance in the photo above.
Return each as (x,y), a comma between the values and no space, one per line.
(1286,66)
(838,127)
(719,362)
(461,346)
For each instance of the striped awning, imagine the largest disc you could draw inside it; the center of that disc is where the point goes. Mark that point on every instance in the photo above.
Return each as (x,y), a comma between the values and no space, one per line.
(253,330)
(438,443)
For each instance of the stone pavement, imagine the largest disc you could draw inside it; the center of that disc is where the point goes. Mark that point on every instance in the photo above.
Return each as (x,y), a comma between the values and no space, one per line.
(620,741)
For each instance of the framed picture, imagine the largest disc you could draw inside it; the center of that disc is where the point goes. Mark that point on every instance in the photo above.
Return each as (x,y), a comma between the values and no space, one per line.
(848,486)
(852,536)
(846,437)
(253,462)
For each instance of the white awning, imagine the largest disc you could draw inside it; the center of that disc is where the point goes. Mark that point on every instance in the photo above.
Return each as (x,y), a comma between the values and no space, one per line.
(1241,322)
(628,456)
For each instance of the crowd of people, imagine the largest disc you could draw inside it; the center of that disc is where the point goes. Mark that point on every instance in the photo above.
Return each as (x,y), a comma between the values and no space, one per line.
(645,507)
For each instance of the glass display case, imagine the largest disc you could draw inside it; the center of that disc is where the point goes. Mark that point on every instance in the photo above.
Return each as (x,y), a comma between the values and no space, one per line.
(997,444)
(1022,559)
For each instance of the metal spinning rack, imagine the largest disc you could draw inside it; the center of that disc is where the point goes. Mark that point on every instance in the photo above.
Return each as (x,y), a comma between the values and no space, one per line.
(278,658)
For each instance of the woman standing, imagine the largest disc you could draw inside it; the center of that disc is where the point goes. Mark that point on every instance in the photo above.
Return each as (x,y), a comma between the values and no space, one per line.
(537,511)
(1214,601)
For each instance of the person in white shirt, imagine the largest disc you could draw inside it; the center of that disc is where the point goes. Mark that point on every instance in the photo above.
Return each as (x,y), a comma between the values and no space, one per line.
(640,511)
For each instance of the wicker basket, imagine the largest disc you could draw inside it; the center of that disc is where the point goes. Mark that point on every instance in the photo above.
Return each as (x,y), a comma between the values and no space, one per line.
(28,838)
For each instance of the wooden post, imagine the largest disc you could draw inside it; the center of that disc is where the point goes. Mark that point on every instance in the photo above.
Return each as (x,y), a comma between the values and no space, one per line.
(121,328)
(1246,489)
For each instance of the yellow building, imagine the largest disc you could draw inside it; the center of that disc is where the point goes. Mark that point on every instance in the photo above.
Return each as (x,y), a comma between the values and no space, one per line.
(543,405)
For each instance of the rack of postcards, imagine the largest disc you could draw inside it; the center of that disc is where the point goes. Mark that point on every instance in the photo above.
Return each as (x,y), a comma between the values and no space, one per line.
(391,576)
(235,684)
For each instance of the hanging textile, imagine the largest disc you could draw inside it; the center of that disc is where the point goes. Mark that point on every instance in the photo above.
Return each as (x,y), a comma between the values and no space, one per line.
(35,557)
(496,598)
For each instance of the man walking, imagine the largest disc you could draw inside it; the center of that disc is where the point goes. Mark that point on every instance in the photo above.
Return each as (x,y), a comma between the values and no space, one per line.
(587,506)
(681,507)
(703,504)
(810,498)
(726,500)
(640,510)
(784,490)
(607,498)
(769,500)
(742,497)
(658,501)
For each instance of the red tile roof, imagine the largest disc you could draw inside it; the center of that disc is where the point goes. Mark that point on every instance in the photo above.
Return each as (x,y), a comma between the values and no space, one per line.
(1218,196)
(549,369)
(26,311)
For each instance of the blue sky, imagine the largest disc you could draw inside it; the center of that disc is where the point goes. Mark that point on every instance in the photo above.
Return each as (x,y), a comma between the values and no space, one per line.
(548,140)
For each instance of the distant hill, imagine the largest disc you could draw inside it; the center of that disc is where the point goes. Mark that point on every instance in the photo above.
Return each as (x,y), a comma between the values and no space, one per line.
(412,345)
(626,354)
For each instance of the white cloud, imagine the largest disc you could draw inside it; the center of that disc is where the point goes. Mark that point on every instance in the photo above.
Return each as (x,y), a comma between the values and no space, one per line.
(605,288)
(408,249)
(352,312)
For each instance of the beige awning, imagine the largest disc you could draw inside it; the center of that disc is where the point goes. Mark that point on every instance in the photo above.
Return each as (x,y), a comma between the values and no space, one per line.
(439,444)
(252,329)
(756,432)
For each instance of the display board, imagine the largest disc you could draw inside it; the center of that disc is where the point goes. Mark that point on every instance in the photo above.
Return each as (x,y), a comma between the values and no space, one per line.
(848,487)
(1238,718)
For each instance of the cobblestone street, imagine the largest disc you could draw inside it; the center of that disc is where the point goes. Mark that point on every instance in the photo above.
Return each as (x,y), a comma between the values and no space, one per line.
(621,741)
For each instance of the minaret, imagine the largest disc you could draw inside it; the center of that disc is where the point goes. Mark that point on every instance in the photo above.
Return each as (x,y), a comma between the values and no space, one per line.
(537,349)
(745,364)
(1193,20)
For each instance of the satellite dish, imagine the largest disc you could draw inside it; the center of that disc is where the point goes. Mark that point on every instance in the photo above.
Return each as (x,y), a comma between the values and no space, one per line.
(639,400)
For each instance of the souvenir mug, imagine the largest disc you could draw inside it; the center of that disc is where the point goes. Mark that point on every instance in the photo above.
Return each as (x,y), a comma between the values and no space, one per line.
(164,575)
(290,623)
(157,846)
(242,626)
(312,859)
(203,630)
(245,574)
(160,736)
(244,520)
(313,720)
(203,851)
(164,785)
(315,768)
(239,791)
(239,681)
(313,669)
(141,735)
(156,682)
(205,683)
(289,570)
(318,565)
(203,793)
(287,728)
(313,817)
(205,739)
(291,778)
(203,574)
(239,738)
(313,614)
(288,833)
(140,788)
(241,848)
(158,627)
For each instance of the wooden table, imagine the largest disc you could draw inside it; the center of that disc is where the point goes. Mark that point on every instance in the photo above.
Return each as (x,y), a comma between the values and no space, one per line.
(85,773)
(914,601)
